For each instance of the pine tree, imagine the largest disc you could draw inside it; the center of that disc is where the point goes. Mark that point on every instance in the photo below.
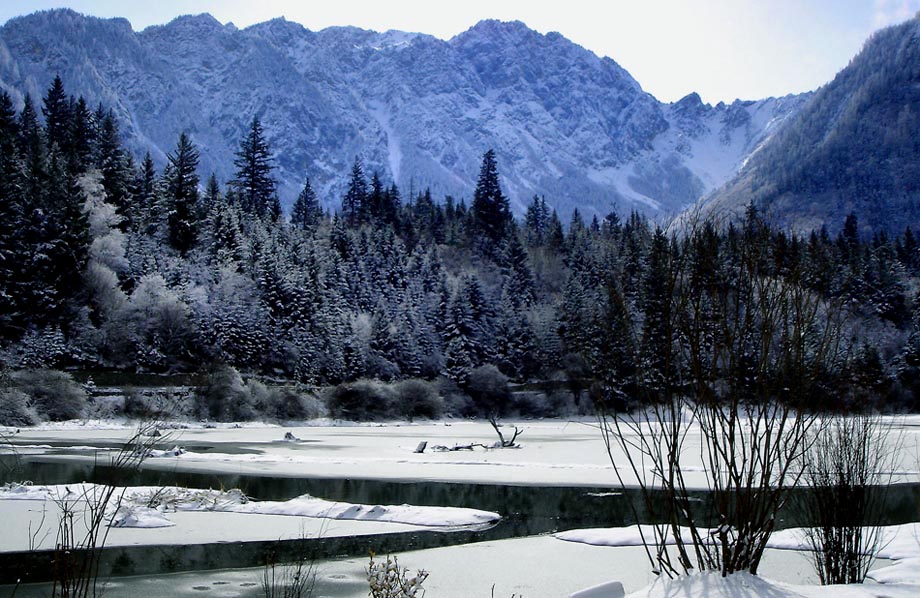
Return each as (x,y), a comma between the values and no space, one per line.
(82,136)
(145,205)
(617,357)
(227,243)
(519,280)
(306,211)
(354,204)
(213,196)
(537,222)
(657,329)
(34,155)
(60,243)
(57,113)
(12,222)
(182,195)
(253,180)
(491,211)
(376,208)
(115,173)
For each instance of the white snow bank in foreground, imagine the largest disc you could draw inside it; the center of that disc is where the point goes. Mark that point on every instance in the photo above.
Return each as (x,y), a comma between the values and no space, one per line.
(147,506)
(900,543)
(744,585)
(610,589)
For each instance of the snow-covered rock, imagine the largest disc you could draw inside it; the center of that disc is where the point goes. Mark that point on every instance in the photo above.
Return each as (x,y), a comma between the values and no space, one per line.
(564,122)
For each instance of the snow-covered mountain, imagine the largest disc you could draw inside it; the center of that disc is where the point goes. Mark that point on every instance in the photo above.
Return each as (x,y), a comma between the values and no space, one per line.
(564,122)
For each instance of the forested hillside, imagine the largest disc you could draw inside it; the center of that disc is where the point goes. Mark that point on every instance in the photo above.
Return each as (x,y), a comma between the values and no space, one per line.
(108,264)
(854,147)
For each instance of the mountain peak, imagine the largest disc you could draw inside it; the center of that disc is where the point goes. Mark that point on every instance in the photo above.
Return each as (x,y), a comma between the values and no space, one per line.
(495,29)
(202,21)
(63,17)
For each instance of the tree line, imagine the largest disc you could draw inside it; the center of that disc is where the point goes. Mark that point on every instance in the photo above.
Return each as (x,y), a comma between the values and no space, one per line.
(106,263)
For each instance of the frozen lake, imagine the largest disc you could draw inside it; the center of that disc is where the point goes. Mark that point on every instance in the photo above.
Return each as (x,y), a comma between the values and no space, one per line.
(559,479)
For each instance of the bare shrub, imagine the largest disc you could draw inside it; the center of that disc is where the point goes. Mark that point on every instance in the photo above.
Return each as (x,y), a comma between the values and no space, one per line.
(388,580)
(16,409)
(731,352)
(224,396)
(294,579)
(284,403)
(418,398)
(292,404)
(848,474)
(489,390)
(78,554)
(53,394)
(362,400)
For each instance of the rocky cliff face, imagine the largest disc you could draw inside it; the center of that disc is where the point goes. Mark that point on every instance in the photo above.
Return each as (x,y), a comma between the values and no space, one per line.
(564,123)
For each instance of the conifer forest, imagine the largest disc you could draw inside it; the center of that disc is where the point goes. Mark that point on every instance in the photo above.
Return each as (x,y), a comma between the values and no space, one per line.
(108,263)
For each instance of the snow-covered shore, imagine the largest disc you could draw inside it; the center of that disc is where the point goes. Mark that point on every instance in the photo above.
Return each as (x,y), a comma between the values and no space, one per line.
(555,452)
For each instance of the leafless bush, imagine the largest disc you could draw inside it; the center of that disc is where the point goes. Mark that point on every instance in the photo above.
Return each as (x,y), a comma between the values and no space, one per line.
(295,579)
(848,471)
(362,400)
(53,394)
(387,580)
(224,396)
(15,408)
(418,398)
(77,553)
(731,355)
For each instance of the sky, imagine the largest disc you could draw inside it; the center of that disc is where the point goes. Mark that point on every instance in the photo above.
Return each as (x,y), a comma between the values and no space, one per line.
(722,49)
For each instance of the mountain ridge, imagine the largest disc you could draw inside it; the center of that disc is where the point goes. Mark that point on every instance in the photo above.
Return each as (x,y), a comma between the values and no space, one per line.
(565,123)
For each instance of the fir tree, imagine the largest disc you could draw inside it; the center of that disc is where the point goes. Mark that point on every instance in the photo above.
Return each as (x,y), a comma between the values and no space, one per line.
(113,164)
(491,211)
(253,180)
(354,204)
(34,154)
(306,211)
(657,330)
(82,136)
(12,222)
(57,113)
(182,195)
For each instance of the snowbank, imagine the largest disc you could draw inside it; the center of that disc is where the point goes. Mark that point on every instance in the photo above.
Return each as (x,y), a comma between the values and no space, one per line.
(148,506)
(900,543)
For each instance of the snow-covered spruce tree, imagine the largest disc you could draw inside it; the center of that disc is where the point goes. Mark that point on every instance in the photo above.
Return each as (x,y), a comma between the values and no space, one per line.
(354,203)
(12,222)
(57,112)
(113,164)
(253,179)
(491,212)
(306,211)
(181,178)
(146,208)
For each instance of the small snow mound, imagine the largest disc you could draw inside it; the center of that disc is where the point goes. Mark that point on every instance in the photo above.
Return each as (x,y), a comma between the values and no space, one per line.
(610,589)
(141,517)
(712,585)
(173,452)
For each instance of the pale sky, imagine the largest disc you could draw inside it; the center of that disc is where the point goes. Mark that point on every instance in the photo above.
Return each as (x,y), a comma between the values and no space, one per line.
(722,49)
